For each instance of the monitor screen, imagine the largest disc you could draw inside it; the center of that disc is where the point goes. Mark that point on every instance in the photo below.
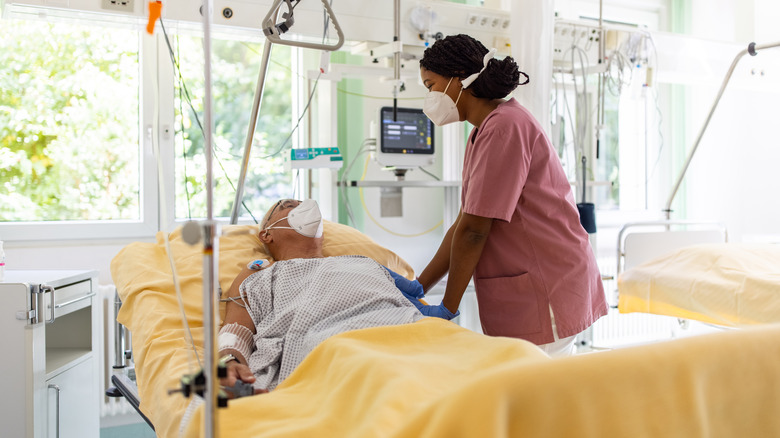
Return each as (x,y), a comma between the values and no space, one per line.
(410,133)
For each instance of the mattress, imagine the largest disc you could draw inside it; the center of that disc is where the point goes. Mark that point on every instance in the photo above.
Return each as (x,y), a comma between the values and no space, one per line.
(728,284)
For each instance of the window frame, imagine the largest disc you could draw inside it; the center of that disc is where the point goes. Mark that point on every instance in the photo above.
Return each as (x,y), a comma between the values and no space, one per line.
(147,224)
(156,123)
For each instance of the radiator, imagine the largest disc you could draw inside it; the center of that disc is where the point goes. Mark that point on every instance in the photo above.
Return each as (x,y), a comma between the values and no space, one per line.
(110,406)
(618,330)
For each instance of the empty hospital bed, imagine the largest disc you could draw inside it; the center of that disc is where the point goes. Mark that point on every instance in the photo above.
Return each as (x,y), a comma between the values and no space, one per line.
(695,274)
(434,378)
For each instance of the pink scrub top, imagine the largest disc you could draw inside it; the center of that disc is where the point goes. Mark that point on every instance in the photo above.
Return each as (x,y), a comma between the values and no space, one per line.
(537,256)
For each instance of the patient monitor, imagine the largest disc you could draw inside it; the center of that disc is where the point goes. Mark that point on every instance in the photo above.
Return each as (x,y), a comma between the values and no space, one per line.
(406,140)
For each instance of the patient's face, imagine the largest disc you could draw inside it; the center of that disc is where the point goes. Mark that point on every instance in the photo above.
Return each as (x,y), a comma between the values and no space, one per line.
(280,210)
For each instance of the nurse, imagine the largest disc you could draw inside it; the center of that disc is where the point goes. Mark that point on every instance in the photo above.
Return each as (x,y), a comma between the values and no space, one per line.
(518,232)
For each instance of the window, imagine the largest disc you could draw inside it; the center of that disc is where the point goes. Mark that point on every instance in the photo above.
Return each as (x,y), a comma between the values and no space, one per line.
(80,104)
(235,68)
(69,123)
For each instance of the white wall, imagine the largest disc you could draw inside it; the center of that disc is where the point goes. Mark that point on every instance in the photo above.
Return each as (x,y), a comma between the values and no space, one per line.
(732,176)
(65,254)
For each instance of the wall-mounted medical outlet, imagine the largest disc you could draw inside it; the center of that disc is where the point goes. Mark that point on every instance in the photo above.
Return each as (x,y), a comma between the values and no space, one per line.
(118,5)
(488,22)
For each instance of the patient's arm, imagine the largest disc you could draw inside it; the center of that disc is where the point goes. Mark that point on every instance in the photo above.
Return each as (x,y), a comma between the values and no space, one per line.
(238,322)
(234,311)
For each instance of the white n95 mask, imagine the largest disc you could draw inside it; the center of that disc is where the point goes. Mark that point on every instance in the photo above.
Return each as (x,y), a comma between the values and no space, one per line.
(305,219)
(440,108)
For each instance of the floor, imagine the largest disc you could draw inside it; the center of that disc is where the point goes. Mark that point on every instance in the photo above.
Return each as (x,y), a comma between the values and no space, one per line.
(137,430)
(125,426)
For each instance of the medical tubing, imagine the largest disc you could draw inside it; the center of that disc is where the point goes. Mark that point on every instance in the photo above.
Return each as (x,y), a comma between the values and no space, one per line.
(235,338)
(164,224)
(297,124)
(368,145)
(578,124)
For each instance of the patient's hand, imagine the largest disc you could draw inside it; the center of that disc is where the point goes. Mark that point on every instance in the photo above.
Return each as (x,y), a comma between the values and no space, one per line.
(238,371)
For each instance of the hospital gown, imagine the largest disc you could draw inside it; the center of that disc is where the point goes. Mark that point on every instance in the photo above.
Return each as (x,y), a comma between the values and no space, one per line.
(296,304)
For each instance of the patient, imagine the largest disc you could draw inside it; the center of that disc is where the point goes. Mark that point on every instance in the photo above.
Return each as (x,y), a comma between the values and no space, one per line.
(278,313)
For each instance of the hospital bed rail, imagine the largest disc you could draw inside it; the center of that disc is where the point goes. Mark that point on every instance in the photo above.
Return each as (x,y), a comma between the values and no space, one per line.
(635,248)
(123,376)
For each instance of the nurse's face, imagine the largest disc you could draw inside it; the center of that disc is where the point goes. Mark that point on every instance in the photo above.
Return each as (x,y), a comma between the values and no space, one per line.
(436,82)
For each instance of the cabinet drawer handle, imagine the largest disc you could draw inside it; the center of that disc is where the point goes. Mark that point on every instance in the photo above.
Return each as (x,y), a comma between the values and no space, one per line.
(75,300)
(44,289)
(57,388)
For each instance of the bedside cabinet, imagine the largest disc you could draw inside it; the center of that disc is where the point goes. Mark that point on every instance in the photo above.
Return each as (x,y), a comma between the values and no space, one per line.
(49,339)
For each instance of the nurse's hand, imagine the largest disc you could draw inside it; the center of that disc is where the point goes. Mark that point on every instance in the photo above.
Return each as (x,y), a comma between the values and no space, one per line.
(438,311)
(411,288)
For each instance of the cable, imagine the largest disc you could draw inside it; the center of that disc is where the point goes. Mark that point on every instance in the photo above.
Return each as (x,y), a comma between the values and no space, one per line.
(183,145)
(296,179)
(303,113)
(429,173)
(163,225)
(368,213)
(183,86)
(649,38)
(368,145)
(352,93)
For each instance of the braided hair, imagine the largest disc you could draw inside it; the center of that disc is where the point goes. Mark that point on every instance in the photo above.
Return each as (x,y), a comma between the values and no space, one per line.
(461,56)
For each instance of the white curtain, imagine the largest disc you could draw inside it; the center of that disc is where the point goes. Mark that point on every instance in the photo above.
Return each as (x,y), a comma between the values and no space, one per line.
(533,22)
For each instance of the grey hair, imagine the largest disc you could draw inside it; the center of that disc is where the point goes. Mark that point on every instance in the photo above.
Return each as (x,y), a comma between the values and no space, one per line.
(284,203)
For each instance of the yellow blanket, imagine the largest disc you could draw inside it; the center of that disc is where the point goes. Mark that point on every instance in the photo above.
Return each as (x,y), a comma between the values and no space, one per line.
(433,379)
(727,284)
(374,382)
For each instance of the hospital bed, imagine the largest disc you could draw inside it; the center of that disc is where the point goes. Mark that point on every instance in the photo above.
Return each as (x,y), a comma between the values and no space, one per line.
(696,274)
(434,378)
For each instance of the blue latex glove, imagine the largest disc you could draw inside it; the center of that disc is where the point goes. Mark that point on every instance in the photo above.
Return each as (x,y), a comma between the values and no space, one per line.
(411,288)
(438,311)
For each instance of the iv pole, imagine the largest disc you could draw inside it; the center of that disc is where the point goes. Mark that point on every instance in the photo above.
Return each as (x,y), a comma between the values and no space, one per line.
(752,49)
(210,244)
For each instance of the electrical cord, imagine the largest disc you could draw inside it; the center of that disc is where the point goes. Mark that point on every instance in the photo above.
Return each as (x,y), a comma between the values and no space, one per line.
(376,222)
(183,143)
(183,86)
(368,145)
(166,239)
(429,173)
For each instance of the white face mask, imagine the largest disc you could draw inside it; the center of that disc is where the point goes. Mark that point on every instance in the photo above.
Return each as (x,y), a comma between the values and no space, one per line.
(440,108)
(305,219)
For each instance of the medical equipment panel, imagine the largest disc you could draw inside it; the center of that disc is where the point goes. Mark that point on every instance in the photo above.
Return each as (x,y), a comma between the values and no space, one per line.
(314,158)
(50,378)
(405,138)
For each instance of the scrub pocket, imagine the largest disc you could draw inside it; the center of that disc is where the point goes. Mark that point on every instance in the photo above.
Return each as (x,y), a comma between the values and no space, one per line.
(508,306)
